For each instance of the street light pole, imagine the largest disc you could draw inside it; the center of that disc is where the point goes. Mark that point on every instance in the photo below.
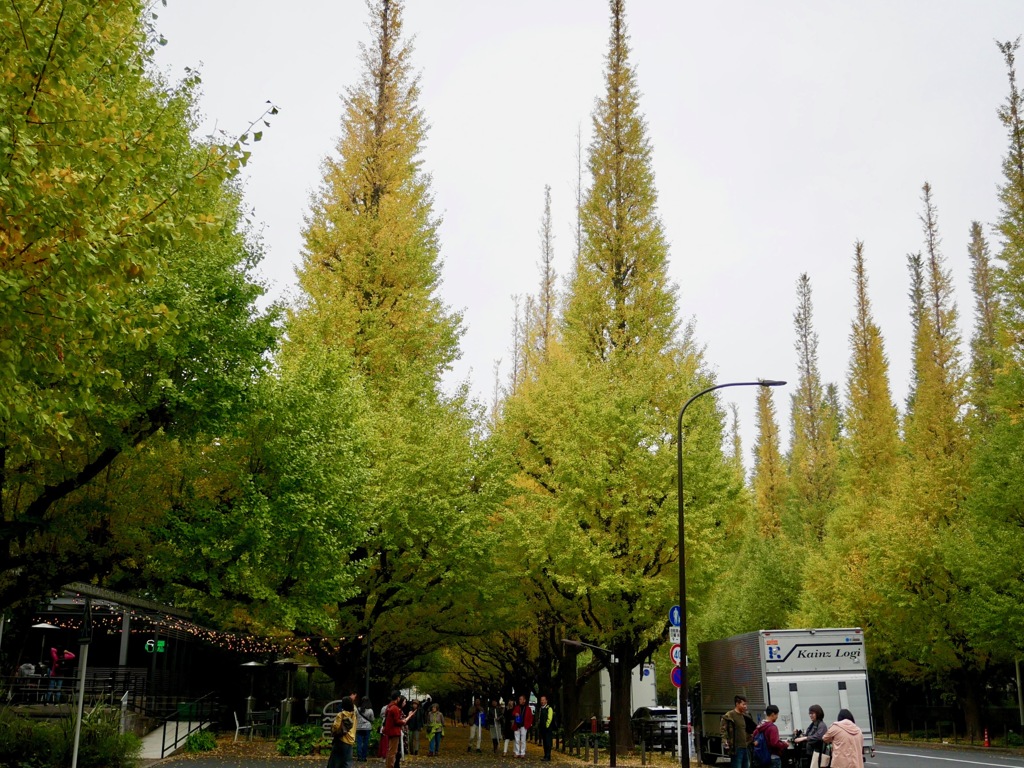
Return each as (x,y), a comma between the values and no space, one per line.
(612,663)
(684,756)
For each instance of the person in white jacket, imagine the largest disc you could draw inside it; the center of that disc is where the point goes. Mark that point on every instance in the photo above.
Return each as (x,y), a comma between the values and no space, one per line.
(364,724)
(847,741)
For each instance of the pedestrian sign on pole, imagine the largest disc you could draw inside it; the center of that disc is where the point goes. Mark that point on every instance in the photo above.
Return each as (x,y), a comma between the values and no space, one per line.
(674,635)
(675,616)
(676,652)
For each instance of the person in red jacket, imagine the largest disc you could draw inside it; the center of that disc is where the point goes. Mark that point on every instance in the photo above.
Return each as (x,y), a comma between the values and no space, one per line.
(58,668)
(522,721)
(393,722)
(771,735)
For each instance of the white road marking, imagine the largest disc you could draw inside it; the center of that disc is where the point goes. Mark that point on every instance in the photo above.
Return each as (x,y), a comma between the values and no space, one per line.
(947,759)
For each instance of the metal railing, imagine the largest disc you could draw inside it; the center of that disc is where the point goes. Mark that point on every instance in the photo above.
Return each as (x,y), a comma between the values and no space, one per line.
(198,714)
(30,690)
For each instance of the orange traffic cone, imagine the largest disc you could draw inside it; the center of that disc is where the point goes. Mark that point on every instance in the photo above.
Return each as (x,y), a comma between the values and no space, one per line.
(987,742)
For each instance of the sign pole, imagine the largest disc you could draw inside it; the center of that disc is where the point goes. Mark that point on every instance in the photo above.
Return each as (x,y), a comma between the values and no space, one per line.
(84,639)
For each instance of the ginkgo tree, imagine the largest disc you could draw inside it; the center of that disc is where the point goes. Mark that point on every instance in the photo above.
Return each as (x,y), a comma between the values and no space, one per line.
(125,303)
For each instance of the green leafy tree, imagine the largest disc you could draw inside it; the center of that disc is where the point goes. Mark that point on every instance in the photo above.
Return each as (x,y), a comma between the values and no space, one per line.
(813,458)
(984,550)
(369,280)
(371,267)
(759,585)
(125,305)
(872,425)
(843,591)
(917,635)
(269,510)
(620,299)
(985,350)
(591,433)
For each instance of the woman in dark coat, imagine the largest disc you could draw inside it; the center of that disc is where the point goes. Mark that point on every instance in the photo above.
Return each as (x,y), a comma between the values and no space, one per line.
(508,726)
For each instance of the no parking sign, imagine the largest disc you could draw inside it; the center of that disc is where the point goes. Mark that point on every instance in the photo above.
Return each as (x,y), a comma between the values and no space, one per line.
(677,677)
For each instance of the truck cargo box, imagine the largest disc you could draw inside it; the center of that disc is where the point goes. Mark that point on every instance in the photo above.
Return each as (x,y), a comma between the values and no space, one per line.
(790,668)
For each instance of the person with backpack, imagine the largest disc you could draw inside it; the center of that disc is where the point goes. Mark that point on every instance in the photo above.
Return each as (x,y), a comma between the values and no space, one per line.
(343,736)
(768,747)
(737,733)
(546,726)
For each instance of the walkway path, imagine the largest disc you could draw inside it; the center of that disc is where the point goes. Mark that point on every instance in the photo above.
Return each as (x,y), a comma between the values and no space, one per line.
(259,753)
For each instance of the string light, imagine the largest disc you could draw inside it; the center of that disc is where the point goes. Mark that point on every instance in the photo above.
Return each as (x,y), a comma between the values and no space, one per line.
(175,627)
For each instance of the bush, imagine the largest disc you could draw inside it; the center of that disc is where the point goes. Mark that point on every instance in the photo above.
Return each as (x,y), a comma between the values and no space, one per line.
(1014,740)
(25,743)
(200,741)
(375,735)
(296,740)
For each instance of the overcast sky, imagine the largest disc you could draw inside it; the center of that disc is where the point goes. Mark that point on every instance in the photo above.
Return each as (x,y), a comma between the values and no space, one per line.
(782,133)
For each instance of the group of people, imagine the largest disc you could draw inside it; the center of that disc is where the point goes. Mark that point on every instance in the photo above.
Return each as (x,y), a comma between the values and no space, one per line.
(509,723)
(844,736)
(56,671)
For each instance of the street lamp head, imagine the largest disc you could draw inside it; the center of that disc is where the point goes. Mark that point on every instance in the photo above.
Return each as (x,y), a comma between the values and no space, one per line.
(771,383)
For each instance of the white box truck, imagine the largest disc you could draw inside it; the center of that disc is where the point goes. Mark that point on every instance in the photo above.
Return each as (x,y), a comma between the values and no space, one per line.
(790,668)
(596,696)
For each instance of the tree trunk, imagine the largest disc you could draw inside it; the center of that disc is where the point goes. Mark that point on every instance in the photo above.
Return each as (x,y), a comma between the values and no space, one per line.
(969,693)
(570,692)
(621,688)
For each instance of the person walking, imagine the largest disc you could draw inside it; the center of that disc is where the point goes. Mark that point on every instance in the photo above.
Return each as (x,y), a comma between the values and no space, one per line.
(523,722)
(435,730)
(494,718)
(508,724)
(364,724)
(476,726)
(546,726)
(847,741)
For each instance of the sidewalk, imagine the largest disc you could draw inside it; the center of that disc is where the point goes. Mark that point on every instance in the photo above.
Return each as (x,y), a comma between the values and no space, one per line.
(154,741)
(261,753)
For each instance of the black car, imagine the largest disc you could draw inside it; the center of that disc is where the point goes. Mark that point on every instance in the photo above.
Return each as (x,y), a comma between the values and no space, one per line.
(656,726)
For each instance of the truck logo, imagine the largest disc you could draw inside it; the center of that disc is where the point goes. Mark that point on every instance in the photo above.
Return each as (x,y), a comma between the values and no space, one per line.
(774,653)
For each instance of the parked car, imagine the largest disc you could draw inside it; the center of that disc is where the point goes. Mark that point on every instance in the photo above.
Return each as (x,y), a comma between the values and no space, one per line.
(656,726)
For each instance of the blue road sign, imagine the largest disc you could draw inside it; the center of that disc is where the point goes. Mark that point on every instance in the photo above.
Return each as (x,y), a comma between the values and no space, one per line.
(677,677)
(675,616)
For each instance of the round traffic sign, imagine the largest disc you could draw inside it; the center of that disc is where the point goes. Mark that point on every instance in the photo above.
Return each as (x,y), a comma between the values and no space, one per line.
(674,616)
(677,677)
(676,652)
